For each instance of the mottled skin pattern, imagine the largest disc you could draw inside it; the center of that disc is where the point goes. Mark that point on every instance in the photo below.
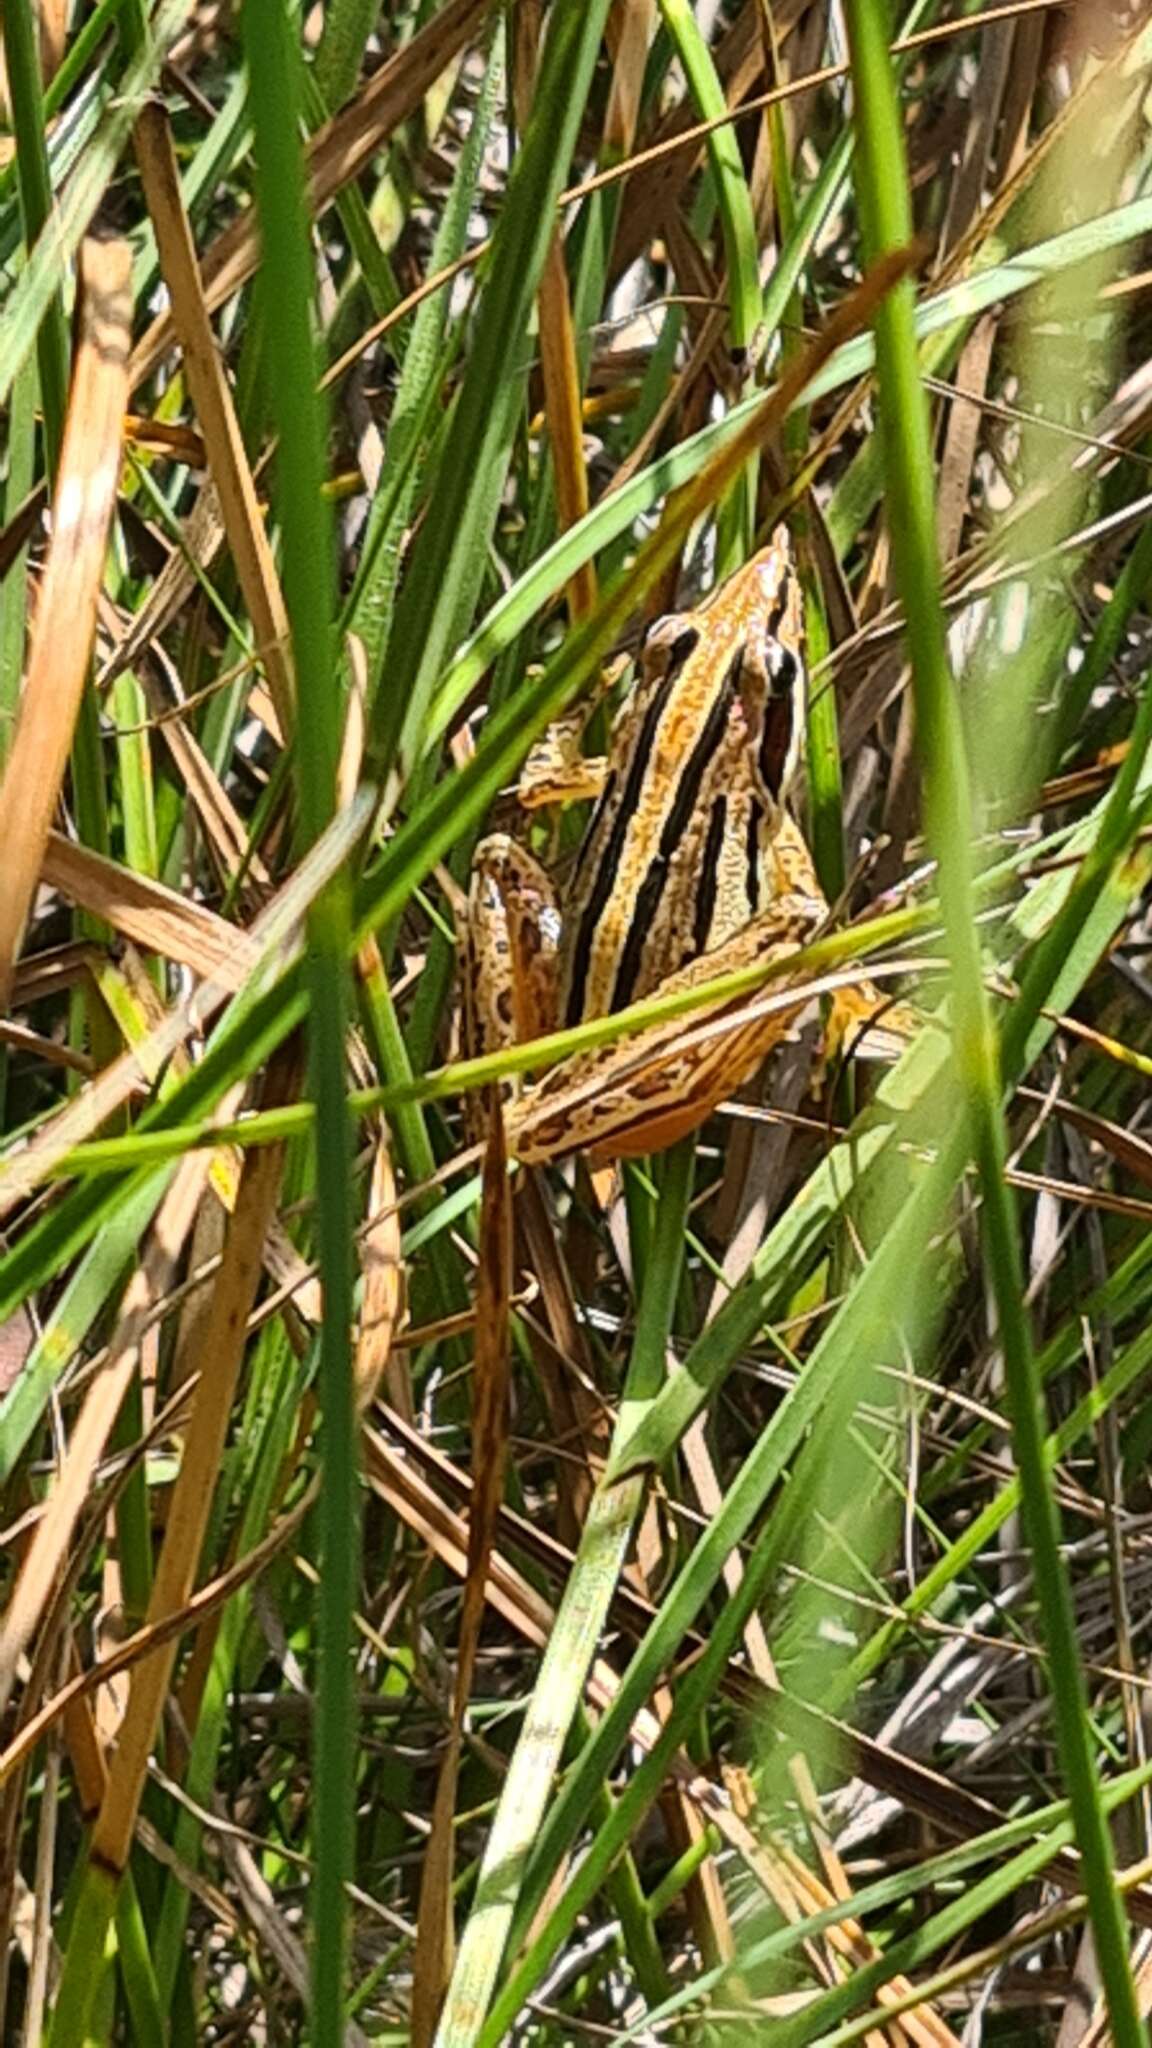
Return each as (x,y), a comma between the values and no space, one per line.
(690,869)
(511,947)
(663,1082)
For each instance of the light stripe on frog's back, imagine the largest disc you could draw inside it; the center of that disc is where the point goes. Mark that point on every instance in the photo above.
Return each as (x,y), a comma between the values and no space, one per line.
(601,861)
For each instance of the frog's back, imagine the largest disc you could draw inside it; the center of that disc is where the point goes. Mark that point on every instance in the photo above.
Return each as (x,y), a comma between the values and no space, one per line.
(678,851)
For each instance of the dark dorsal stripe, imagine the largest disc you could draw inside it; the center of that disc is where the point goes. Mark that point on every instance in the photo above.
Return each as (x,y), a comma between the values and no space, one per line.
(586,848)
(779,719)
(680,652)
(675,825)
(708,882)
(609,854)
(752,850)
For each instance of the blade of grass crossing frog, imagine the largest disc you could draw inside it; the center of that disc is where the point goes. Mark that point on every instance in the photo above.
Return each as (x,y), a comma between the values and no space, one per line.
(462,797)
(1073,918)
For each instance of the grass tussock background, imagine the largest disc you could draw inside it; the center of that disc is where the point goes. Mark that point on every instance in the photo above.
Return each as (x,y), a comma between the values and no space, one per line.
(443,1606)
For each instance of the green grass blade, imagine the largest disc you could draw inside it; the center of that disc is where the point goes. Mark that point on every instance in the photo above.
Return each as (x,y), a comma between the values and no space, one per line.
(448,558)
(571,1647)
(47,265)
(949,814)
(309,584)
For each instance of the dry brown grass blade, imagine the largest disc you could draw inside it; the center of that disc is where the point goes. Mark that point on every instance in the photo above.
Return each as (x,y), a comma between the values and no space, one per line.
(508,1594)
(630,28)
(382,1265)
(206,1601)
(687,378)
(562,405)
(200,540)
(50,1544)
(21,526)
(22,1040)
(1081,1196)
(491,1383)
(398,1476)
(55,969)
(276,935)
(435,1947)
(166,437)
(192,1496)
(218,814)
(963,433)
(83,503)
(336,155)
(155,916)
(578,1416)
(778,1865)
(432,1964)
(1127,1148)
(656,186)
(559,365)
(511,1596)
(212,398)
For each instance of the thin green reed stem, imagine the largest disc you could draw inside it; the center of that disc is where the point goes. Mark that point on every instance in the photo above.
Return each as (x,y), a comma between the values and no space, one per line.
(882,190)
(309,583)
(35,185)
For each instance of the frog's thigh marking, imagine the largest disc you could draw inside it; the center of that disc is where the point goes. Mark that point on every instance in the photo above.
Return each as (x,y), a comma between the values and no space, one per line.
(514,933)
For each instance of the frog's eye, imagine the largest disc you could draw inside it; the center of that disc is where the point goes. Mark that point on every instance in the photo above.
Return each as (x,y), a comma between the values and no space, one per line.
(783,669)
(668,644)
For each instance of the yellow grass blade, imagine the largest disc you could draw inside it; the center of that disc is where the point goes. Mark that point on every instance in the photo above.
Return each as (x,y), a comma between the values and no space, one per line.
(85,495)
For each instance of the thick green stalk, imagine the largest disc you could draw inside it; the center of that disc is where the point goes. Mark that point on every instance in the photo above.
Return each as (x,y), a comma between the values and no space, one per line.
(309,584)
(573,1642)
(882,187)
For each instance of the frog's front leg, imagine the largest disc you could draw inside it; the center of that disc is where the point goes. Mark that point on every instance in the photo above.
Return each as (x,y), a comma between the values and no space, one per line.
(510,946)
(556,770)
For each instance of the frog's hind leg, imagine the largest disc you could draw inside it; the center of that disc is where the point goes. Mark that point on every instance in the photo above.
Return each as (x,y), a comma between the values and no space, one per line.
(510,948)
